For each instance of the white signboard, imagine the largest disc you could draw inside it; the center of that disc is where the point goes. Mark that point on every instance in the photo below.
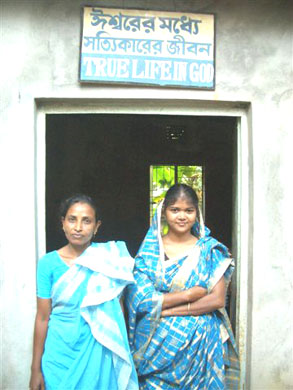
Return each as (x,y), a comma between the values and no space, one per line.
(148,47)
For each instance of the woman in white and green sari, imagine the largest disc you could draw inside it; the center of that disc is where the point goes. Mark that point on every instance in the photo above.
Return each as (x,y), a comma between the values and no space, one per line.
(80,340)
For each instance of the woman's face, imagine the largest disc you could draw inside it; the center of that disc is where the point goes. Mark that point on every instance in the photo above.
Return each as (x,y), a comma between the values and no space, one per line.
(180,216)
(79,224)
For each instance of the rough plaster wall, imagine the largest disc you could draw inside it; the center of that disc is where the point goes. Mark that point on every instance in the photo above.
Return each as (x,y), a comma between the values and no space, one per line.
(40,40)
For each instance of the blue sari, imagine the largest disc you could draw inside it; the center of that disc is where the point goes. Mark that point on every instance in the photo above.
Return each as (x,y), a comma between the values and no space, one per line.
(86,346)
(180,352)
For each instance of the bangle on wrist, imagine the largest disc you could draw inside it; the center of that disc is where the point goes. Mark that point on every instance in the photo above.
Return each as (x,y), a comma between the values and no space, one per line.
(188,307)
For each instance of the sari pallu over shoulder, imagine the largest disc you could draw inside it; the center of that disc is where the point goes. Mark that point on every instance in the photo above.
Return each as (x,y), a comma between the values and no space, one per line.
(85,301)
(170,352)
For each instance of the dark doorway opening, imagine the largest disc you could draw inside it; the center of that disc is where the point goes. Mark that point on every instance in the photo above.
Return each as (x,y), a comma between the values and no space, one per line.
(108,156)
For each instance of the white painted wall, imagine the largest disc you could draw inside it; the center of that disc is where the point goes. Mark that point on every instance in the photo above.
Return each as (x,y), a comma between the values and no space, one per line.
(40,42)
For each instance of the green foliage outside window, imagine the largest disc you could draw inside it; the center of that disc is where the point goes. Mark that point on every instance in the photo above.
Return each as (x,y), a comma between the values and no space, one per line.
(164,176)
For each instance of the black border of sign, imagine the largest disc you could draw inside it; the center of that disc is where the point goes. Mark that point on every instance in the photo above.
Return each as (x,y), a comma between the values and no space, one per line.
(135,84)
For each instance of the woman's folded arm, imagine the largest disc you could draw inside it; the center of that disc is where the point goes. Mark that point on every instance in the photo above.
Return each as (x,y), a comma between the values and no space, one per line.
(206,304)
(178,298)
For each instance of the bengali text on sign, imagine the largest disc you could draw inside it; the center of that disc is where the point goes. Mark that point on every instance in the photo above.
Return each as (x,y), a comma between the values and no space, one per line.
(149,47)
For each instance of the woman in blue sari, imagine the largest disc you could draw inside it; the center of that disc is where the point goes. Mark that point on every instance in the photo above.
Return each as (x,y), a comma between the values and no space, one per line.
(179,332)
(80,339)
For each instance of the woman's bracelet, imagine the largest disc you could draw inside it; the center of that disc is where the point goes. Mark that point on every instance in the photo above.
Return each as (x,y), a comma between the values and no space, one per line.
(188,307)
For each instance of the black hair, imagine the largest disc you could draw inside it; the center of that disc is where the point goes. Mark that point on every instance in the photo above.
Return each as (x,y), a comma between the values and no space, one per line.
(181,191)
(78,198)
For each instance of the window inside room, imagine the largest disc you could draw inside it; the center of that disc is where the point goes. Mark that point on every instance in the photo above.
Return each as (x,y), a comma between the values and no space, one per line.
(164,176)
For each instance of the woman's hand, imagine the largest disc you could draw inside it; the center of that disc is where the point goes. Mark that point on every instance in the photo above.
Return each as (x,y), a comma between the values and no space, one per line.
(37,380)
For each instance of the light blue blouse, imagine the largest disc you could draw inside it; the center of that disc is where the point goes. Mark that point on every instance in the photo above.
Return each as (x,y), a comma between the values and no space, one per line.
(50,268)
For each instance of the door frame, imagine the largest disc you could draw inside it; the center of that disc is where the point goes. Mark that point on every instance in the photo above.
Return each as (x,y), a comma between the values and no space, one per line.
(243,183)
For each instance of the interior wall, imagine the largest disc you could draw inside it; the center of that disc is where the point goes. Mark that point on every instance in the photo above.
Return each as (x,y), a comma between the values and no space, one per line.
(108,157)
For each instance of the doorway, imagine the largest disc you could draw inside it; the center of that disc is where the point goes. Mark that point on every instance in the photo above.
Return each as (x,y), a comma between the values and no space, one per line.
(59,172)
(108,156)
